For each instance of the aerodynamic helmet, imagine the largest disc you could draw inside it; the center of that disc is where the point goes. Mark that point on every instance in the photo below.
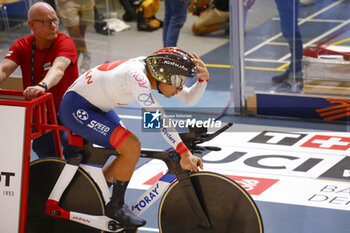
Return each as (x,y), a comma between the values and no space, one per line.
(171,66)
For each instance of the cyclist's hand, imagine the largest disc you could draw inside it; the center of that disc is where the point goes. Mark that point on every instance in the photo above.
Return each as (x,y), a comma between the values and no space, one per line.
(190,162)
(32,92)
(203,73)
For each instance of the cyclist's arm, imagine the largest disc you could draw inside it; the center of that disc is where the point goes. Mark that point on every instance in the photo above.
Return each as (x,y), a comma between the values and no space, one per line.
(144,96)
(191,95)
(169,133)
(188,160)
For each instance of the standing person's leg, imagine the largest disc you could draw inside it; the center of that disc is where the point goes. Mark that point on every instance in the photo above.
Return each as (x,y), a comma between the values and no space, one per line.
(74,33)
(166,21)
(86,18)
(76,15)
(177,20)
(288,11)
(298,50)
(68,11)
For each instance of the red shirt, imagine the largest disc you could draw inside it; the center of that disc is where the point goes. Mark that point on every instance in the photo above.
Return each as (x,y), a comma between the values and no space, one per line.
(21,53)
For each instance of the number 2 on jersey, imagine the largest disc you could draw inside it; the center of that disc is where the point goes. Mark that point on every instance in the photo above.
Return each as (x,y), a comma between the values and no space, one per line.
(88,77)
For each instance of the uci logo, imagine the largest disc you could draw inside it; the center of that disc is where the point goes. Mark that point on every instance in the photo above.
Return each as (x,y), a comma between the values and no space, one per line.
(82,114)
(151,120)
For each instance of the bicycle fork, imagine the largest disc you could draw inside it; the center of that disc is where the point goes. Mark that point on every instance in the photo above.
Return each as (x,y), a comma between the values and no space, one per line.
(54,210)
(184,180)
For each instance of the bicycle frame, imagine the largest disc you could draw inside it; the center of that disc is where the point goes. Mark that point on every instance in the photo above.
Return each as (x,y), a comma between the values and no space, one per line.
(150,196)
(53,209)
(93,166)
(102,222)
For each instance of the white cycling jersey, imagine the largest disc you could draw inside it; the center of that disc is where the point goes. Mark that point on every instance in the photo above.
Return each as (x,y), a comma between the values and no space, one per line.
(123,82)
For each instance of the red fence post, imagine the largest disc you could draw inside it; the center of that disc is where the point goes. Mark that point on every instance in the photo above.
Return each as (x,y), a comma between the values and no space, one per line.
(39,115)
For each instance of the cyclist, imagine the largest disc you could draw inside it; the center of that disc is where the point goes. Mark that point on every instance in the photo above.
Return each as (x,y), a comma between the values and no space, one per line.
(87,109)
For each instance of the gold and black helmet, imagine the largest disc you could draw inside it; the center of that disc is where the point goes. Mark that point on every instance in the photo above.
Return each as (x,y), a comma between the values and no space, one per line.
(171,66)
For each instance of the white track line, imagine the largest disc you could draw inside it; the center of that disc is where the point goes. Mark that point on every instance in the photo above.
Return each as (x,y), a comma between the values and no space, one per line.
(328,32)
(327,20)
(279,43)
(316,20)
(130,117)
(262,60)
(316,39)
(149,229)
(300,23)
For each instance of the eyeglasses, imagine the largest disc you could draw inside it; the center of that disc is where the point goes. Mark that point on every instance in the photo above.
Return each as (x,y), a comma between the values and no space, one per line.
(48,22)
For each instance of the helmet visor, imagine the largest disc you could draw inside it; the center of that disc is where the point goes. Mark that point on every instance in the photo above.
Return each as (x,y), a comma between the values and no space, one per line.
(178,81)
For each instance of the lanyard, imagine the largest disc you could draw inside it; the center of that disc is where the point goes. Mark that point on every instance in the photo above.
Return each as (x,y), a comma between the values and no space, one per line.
(32,69)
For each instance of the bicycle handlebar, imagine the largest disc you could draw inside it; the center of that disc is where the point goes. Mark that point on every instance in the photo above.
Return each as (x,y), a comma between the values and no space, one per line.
(208,137)
(197,136)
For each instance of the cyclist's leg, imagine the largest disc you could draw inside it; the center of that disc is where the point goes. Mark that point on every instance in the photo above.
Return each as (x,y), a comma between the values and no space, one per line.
(119,172)
(68,149)
(105,129)
(128,146)
(86,120)
(123,167)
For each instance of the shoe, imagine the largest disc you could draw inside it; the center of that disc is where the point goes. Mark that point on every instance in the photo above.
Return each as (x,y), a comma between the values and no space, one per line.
(85,64)
(288,76)
(307,2)
(281,78)
(124,216)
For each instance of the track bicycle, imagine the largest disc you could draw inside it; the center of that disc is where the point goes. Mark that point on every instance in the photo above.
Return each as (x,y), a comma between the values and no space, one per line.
(70,196)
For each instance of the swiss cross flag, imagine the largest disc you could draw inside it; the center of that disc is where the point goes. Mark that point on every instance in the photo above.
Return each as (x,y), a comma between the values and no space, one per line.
(328,142)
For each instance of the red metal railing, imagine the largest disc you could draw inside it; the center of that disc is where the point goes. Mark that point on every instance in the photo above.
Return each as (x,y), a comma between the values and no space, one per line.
(40,118)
